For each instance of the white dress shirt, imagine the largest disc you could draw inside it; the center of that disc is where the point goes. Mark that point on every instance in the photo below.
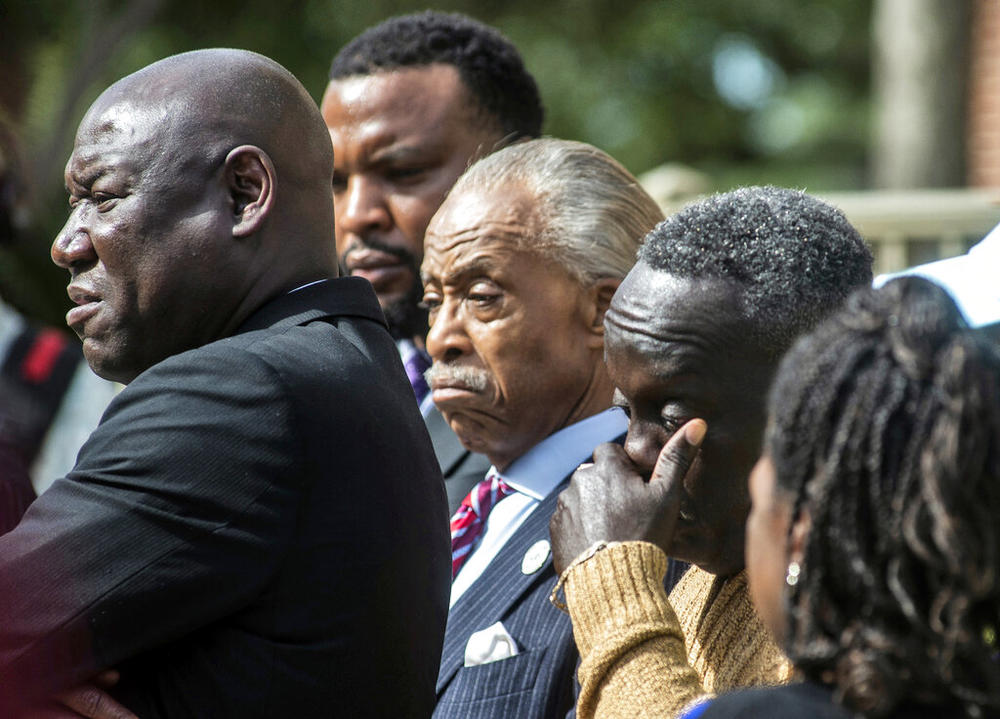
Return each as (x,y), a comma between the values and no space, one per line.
(533,476)
(970,279)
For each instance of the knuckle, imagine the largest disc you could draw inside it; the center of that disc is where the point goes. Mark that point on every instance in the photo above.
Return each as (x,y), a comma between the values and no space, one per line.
(562,505)
(92,701)
(676,456)
(602,452)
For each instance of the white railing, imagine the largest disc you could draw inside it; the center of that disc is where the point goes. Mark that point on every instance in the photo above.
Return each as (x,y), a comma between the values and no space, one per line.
(903,227)
(910,227)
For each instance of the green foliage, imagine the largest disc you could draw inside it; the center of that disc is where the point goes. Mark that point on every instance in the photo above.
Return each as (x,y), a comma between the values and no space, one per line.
(633,77)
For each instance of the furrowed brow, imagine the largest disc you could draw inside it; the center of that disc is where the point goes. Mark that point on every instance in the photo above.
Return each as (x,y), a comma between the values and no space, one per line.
(476,267)
(86,178)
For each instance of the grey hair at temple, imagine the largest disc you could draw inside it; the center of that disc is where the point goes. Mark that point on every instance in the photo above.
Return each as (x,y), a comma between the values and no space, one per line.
(592,212)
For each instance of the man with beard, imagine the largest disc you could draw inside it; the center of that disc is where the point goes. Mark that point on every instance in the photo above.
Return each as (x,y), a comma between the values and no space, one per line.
(521,262)
(410,104)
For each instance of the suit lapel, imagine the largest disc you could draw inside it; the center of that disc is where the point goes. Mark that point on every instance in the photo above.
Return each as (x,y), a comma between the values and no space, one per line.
(499,587)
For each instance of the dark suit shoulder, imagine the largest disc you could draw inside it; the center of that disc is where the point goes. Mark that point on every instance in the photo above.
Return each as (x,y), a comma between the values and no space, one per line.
(261,497)
(792,700)
(803,699)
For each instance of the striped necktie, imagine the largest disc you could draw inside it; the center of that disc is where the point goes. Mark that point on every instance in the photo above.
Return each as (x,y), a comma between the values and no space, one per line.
(469,520)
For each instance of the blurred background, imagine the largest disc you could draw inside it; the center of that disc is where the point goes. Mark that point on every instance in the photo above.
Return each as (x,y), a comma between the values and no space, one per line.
(889,108)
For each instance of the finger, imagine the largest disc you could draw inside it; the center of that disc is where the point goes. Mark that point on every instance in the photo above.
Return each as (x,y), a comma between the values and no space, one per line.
(107,679)
(678,454)
(562,506)
(90,701)
(610,454)
(581,473)
(560,531)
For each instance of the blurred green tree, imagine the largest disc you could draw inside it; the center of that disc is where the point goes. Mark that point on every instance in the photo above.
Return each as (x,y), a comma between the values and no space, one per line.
(763,91)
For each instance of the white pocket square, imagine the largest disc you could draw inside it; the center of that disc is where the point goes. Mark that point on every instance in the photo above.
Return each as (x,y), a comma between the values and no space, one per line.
(489,645)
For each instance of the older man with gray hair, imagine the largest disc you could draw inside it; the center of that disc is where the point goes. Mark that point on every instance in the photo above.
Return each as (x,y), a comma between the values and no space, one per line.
(520,265)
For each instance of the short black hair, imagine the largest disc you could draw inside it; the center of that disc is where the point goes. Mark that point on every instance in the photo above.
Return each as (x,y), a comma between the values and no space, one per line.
(885,427)
(488,63)
(793,258)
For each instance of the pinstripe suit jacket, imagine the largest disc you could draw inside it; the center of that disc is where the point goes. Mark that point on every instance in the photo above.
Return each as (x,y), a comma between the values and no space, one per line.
(540,680)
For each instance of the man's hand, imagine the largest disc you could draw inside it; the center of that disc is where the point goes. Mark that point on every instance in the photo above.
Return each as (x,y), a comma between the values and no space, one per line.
(90,700)
(609,501)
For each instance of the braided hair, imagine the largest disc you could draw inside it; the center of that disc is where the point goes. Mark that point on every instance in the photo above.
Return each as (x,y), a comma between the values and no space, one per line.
(886,430)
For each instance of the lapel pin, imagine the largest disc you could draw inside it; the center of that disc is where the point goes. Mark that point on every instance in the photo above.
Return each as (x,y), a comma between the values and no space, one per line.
(535,557)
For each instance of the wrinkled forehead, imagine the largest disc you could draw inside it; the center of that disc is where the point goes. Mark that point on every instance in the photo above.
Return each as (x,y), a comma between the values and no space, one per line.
(676,329)
(472,218)
(665,306)
(662,315)
(140,133)
(121,125)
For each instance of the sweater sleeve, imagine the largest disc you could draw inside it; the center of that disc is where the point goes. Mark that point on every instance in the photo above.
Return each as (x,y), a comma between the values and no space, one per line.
(633,656)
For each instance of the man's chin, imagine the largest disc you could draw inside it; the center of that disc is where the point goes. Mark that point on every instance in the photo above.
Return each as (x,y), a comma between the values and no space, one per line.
(686,545)
(108,367)
(469,430)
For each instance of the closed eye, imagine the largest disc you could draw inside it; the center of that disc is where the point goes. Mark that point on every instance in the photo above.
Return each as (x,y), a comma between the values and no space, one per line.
(431,301)
(623,406)
(483,299)
(105,201)
(405,173)
(671,424)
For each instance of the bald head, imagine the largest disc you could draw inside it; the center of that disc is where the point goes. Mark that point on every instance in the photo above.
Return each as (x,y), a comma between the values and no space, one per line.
(206,102)
(201,189)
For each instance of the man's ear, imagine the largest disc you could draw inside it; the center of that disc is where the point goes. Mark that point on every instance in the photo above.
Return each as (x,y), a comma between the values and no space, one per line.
(250,180)
(600,296)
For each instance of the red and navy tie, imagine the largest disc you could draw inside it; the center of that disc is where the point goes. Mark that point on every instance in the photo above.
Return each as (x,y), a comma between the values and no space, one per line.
(469,520)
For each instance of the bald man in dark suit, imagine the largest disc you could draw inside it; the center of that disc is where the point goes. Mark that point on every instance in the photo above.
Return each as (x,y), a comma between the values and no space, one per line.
(258,526)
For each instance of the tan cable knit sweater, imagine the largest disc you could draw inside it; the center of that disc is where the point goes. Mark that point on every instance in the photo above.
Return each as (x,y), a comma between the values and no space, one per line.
(631,637)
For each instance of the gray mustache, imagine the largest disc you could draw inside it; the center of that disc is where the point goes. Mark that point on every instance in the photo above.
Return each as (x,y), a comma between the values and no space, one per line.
(471,378)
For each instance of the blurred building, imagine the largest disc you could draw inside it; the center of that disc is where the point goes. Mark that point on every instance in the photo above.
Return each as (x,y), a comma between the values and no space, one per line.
(983,150)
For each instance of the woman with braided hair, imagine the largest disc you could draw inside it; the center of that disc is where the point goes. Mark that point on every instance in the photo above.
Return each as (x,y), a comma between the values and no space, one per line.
(873,544)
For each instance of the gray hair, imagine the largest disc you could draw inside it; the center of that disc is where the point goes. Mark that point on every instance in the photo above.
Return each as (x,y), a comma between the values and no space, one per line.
(591,211)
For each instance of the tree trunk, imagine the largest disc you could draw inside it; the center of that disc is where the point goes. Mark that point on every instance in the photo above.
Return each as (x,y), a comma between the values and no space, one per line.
(920,78)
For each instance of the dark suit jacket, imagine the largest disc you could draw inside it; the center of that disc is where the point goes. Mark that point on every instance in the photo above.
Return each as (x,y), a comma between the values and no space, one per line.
(805,699)
(461,468)
(256,529)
